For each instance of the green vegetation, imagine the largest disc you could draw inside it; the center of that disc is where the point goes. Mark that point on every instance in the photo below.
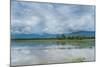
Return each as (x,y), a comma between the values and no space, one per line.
(59,37)
(79,59)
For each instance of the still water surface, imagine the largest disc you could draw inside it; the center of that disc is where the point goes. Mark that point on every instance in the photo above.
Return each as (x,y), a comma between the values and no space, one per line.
(46,52)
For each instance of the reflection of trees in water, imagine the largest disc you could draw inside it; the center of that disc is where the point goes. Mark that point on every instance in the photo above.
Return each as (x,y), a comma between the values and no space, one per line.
(61,42)
(80,44)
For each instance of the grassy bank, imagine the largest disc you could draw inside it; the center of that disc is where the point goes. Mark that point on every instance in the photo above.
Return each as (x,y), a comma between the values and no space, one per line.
(58,38)
(54,39)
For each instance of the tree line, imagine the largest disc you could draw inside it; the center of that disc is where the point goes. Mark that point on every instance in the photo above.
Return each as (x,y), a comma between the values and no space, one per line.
(60,37)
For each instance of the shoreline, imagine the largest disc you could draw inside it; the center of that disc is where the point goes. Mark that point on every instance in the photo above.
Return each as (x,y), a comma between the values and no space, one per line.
(60,40)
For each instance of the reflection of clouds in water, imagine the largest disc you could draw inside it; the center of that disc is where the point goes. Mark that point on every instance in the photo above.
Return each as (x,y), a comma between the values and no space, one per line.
(27,56)
(45,46)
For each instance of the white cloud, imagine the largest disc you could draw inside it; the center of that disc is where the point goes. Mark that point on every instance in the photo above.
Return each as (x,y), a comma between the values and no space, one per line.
(25,25)
(52,18)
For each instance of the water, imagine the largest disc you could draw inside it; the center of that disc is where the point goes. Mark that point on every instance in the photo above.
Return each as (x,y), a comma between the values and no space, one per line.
(47,52)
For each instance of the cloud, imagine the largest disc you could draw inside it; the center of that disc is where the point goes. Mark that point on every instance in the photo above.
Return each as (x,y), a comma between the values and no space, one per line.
(29,17)
(25,26)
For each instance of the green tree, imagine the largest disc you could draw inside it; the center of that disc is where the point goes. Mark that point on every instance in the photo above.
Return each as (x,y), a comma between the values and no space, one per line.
(63,36)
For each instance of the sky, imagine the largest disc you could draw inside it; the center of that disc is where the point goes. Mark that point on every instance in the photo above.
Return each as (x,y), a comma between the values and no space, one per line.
(51,18)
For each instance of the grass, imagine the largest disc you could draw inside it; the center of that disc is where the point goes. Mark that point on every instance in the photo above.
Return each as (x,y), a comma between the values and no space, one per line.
(54,40)
(79,59)
(76,59)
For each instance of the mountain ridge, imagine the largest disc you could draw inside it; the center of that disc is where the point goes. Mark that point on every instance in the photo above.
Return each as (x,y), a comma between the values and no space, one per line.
(46,35)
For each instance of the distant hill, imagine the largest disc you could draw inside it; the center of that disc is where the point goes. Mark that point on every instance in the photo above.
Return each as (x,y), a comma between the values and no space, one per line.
(83,33)
(33,35)
(45,35)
